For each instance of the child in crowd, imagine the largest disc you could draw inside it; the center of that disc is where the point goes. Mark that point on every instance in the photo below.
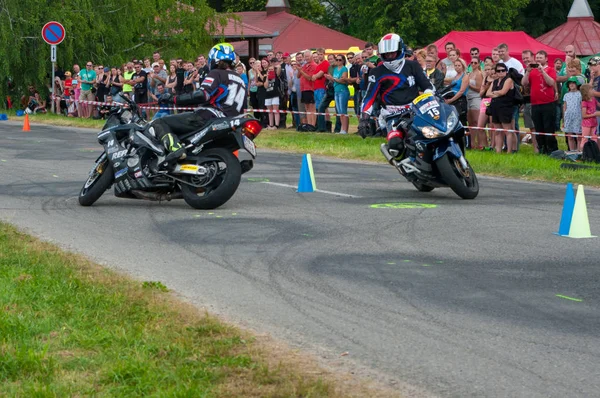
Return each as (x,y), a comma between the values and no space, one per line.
(572,120)
(588,114)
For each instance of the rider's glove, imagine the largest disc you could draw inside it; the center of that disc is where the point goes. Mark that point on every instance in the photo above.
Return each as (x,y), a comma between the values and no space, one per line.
(404,125)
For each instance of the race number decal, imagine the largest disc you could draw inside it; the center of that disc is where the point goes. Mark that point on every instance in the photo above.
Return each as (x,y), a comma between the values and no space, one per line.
(428,106)
(235,95)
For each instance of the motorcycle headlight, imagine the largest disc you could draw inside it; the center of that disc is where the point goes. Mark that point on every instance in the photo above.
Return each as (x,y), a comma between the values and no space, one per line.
(452,121)
(431,132)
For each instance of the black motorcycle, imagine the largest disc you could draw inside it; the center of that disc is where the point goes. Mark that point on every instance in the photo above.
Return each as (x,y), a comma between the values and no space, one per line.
(133,159)
(432,158)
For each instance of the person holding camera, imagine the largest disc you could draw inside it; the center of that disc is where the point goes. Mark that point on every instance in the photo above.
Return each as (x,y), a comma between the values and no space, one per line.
(541,78)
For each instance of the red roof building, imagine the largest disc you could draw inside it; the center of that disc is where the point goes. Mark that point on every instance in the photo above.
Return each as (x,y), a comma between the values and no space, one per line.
(580,30)
(275,29)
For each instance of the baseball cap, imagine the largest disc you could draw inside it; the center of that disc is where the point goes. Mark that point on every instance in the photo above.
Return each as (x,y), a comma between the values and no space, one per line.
(155,64)
(575,80)
(594,61)
(285,55)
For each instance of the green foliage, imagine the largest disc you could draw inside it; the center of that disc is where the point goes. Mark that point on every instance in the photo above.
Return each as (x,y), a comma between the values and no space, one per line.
(422,23)
(104,31)
(155,285)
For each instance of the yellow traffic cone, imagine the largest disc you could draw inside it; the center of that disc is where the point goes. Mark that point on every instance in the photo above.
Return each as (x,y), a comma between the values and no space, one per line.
(580,223)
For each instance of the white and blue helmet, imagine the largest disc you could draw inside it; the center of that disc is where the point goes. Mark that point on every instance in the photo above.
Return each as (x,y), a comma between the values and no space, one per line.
(391,51)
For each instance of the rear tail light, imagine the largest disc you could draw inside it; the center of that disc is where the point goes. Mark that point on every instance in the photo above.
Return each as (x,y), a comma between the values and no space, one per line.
(251,129)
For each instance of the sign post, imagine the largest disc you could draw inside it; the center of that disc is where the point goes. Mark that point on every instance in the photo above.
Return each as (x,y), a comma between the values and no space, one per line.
(53,33)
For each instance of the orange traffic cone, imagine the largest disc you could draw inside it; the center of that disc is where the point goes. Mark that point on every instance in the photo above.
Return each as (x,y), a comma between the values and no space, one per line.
(26,124)
(236,153)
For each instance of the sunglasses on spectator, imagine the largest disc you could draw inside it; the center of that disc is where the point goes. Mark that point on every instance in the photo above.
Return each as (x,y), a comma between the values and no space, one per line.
(339,59)
(350,58)
(500,70)
(89,65)
(474,63)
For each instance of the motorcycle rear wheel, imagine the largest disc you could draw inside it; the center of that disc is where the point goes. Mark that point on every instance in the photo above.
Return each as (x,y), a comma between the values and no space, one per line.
(463,182)
(100,179)
(225,174)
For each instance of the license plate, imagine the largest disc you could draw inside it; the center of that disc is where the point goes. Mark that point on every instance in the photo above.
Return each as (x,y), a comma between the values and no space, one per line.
(249,145)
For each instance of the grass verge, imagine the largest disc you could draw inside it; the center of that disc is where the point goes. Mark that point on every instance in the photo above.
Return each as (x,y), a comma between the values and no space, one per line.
(58,120)
(523,165)
(69,327)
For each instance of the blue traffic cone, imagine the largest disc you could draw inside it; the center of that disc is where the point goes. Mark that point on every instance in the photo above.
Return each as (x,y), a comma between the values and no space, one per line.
(567,212)
(306,183)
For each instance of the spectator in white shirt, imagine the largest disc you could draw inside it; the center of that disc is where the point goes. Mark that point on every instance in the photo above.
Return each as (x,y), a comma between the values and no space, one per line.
(507,60)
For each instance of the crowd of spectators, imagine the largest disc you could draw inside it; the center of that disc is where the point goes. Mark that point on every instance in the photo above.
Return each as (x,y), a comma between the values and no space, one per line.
(491,92)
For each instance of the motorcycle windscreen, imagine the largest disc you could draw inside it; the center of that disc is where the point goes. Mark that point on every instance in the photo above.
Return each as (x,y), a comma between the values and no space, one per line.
(429,112)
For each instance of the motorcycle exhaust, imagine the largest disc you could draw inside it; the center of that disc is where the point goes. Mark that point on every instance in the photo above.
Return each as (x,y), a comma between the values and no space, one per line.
(386,154)
(192,169)
(155,196)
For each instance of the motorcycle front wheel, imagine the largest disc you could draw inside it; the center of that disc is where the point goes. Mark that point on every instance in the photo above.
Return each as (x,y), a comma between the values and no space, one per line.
(462,181)
(100,179)
(223,177)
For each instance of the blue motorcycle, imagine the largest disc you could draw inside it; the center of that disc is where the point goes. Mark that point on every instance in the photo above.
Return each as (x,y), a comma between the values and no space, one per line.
(431,158)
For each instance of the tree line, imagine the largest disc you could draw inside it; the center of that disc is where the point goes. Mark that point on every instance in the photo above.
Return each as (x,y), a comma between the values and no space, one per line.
(102,31)
(422,22)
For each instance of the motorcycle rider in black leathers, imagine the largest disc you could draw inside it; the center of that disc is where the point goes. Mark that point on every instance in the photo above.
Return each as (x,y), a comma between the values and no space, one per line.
(395,82)
(222,88)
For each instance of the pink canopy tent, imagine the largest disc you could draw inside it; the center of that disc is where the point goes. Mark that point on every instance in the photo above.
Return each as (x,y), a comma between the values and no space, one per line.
(487,40)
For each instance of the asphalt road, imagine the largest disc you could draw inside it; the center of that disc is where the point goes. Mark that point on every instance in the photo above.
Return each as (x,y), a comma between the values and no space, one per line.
(456,300)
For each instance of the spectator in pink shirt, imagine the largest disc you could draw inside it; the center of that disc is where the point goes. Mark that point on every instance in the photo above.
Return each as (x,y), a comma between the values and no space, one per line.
(320,83)
(307,88)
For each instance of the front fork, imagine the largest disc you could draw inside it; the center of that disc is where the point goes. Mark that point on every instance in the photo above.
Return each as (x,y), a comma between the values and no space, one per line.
(454,150)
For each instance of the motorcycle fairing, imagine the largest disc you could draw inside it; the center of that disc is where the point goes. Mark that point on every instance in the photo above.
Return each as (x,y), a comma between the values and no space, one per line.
(429,111)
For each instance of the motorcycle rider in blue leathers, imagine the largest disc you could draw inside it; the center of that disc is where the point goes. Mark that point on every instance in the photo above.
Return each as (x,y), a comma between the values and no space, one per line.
(395,82)
(223,89)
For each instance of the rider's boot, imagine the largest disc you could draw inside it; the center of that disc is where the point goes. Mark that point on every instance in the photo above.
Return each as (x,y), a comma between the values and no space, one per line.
(174,147)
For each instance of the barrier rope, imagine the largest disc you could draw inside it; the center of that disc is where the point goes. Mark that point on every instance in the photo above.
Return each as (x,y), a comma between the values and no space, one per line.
(172,108)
